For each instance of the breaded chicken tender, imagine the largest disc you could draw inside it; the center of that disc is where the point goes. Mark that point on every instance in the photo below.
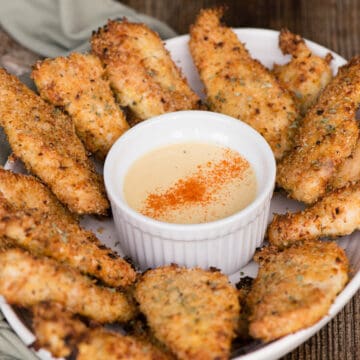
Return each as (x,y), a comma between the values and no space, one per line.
(336,214)
(100,344)
(56,329)
(326,137)
(44,139)
(349,171)
(192,311)
(238,85)
(26,192)
(46,235)
(77,84)
(295,287)
(139,329)
(306,75)
(63,333)
(140,70)
(26,280)
(6,244)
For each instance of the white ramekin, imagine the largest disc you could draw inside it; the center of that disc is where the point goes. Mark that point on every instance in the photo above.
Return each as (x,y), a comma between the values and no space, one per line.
(227,244)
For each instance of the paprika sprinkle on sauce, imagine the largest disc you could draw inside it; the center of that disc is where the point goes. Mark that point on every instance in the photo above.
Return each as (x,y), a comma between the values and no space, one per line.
(210,183)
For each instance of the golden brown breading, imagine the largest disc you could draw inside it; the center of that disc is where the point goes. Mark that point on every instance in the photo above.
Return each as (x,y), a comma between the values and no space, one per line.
(56,329)
(238,85)
(295,288)
(139,329)
(326,137)
(61,332)
(101,344)
(6,244)
(140,70)
(26,192)
(192,311)
(44,139)
(349,171)
(77,84)
(306,75)
(46,235)
(26,280)
(336,214)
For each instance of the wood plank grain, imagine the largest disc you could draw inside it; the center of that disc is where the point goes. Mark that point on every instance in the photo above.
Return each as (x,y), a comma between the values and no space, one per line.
(332,23)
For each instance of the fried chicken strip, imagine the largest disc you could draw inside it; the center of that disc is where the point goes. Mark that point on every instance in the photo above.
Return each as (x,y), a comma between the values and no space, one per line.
(238,85)
(26,280)
(101,344)
(44,139)
(77,84)
(6,244)
(306,75)
(192,311)
(349,171)
(140,70)
(139,329)
(61,332)
(336,214)
(327,136)
(46,235)
(56,329)
(26,192)
(295,287)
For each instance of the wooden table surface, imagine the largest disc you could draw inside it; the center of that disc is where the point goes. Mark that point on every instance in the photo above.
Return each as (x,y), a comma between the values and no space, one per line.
(334,24)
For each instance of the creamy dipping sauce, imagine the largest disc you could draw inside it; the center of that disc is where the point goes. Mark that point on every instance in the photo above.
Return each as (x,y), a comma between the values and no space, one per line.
(190,183)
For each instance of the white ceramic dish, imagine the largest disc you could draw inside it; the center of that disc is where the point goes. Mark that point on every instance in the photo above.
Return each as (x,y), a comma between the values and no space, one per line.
(263,45)
(227,244)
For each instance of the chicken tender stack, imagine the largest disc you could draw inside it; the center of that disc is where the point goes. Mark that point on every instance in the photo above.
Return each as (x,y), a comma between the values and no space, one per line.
(46,235)
(141,72)
(74,284)
(327,136)
(295,287)
(63,334)
(192,311)
(238,85)
(26,280)
(77,83)
(44,139)
(306,75)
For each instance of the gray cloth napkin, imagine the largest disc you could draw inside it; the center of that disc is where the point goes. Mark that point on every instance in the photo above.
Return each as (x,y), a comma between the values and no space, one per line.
(56,27)
(52,28)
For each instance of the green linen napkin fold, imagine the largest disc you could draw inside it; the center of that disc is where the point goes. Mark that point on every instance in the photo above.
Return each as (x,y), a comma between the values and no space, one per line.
(56,27)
